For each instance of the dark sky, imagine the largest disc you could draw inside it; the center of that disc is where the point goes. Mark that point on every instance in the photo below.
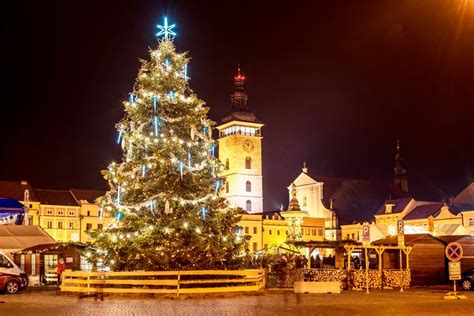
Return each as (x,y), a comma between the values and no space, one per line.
(336,83)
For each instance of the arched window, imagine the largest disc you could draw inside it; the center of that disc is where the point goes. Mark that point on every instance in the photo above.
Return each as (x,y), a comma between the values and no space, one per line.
(248,163)
(248,186)
(248,206)
(227,164)
(227,187)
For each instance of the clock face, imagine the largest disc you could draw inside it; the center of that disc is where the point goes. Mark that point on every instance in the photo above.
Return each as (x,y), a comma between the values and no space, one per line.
(248,146)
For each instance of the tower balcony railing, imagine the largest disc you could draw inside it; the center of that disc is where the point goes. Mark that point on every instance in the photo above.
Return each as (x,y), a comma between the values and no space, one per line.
(244,132)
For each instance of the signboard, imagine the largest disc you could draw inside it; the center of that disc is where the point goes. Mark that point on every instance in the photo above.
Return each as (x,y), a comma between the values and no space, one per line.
(366,233)
(454,252)
(69,259)
(400,227)
(455,270)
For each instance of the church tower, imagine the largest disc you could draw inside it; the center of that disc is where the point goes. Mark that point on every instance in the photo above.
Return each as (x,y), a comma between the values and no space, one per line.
(400,173)
(240,150)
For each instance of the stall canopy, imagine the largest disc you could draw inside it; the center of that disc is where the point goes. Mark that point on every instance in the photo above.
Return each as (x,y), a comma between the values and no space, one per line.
(18,237)
(11,211)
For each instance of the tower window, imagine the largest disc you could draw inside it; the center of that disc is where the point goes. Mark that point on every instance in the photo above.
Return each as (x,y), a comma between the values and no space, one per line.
(248,206)
(248,186)
(227,187)
(248,163)
(227,164)
(304,201)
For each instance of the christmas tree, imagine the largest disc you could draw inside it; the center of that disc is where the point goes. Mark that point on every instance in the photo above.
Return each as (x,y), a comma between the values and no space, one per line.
(164,194)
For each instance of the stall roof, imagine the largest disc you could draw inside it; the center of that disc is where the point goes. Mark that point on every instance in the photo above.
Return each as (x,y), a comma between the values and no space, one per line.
(51,247)
(10,205)
(409,239)
(17,237)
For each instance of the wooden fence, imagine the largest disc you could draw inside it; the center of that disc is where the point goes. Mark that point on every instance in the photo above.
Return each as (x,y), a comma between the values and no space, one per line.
(164,282)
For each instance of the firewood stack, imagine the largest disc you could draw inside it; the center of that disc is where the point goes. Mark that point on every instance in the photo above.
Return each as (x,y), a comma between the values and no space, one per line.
(359,279)
(395,278)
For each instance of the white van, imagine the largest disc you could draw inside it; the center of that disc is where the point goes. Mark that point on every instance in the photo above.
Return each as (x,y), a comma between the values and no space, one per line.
(12,278)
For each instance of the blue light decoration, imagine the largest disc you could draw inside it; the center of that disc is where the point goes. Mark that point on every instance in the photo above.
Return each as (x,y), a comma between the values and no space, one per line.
(119,138)
(189,160)
(118,195)
(156,125)
(213,149)
(171,95)
(181,166)
(167,63)
(132,98)
(204,130)
(185,72)
(143,170)
(155,100)
(118,216)
(203,212)
(218,185)
(152,206)
(101,213)
(166,31)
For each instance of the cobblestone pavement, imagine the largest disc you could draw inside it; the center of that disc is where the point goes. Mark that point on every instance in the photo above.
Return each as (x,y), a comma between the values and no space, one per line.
(411,302)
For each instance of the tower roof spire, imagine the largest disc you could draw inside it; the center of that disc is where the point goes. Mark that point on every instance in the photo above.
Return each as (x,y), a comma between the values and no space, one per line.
(239,109)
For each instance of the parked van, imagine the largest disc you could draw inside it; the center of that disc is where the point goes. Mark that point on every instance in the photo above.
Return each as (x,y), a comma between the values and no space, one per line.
(12,278)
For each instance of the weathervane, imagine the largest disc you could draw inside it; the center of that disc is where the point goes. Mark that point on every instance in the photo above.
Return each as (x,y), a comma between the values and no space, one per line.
(166,31)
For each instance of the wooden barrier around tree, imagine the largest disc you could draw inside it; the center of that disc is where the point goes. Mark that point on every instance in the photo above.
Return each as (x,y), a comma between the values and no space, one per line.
(164,282)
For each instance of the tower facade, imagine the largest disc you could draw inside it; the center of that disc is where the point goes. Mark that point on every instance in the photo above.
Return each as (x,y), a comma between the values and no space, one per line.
(240,150)
(399,172)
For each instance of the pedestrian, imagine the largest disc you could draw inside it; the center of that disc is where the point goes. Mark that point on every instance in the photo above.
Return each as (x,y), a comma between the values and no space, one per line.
(59,270)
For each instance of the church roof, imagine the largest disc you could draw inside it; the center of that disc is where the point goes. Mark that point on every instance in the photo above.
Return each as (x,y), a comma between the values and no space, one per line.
(355,200)
(398,205)
(241,115)
(424,211)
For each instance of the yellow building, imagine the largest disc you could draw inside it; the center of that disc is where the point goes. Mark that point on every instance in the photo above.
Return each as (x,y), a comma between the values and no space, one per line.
(240,150)
(66,215)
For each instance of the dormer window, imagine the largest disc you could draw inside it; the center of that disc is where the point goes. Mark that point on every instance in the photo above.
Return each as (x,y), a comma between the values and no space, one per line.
(389,208)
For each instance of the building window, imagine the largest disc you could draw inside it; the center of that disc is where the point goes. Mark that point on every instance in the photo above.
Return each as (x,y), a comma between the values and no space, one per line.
(471,222)
(248,163)
(88,213)
(254,246)
(255,230)
(246,230)
(71,225)
(227,164)
(50,263)
(320,232)
(269,231)
(49,225)
(248,186)
(304,201)
(248,206)
(278,232)
(88,226)
(71,213)
(60,212)
(33,264)
(100,226)
(22,262)
(49,212)
(60,225)
(348,237)
(313,231)
(353,236)
(227,187)
(31,205)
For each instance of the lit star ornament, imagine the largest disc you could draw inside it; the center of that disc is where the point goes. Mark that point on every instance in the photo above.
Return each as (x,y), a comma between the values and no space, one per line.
(166,31)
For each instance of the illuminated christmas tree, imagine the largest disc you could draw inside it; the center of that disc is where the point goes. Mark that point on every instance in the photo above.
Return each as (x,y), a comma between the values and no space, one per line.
(164,194)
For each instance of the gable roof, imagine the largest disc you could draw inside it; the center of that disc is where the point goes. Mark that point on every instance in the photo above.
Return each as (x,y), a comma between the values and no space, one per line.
(17,237)
(86,195)
(423,211)
(55,197)
(353,199)
(399,205)
(466,197)
(16,190)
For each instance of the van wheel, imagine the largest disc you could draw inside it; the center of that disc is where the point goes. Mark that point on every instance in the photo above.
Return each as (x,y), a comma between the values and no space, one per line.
(12,287)
(466,285)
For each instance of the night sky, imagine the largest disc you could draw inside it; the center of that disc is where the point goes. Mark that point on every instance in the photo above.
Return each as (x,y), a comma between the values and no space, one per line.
(335,82)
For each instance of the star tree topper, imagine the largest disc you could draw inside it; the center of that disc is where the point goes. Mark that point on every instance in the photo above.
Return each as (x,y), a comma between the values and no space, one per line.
(166,31)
